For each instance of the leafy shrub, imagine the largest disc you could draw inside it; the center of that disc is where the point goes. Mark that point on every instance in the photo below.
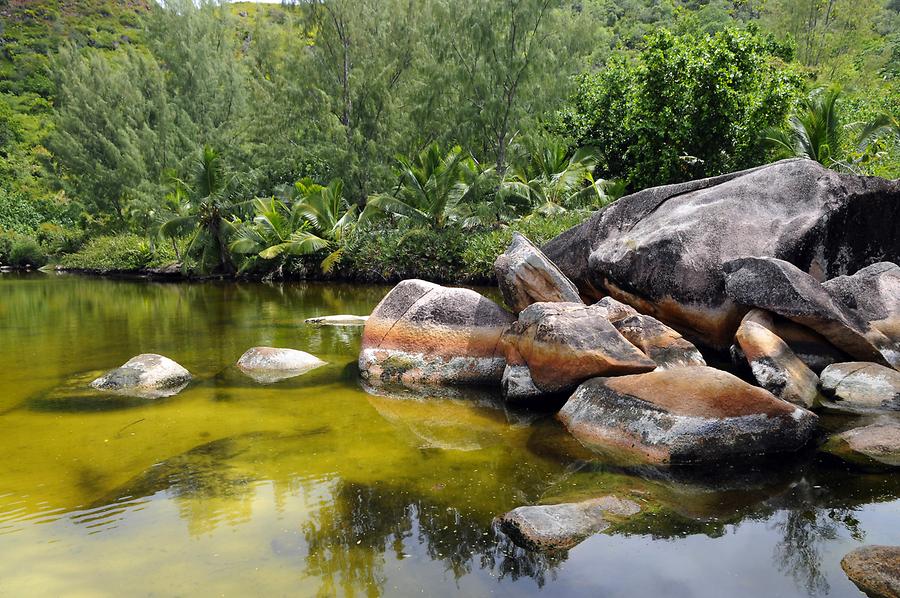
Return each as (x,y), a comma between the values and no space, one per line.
(58,240)
(25,251)
(385,254)
(124,253)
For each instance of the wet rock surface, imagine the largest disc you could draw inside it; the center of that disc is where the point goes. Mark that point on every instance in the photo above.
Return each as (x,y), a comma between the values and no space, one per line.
(860,387)
(661,250)
(338,320)
(683,415)
(423,332)
(875,570)
(271,364)
(774,365)
(781,287)
(563,344)
(147,376)
(525,276)
(874,447)
(562,526)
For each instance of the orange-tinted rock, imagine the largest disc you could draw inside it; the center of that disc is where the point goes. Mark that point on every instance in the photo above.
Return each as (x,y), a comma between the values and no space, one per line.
(526,276)
(562,345)
(774,365)
(874,447)
(660,343)
(682,415)
(875,570)
(425,333)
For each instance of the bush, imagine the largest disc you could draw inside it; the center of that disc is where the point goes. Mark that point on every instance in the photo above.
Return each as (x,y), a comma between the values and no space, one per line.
(122,253)
(27,252)
(57,240)
(385,254)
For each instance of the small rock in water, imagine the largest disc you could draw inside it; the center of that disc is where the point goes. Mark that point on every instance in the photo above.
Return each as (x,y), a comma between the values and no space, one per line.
(339,320)
(562,526)
(270,364)
(147,376)
(875,447)
(875,570)
(861,387)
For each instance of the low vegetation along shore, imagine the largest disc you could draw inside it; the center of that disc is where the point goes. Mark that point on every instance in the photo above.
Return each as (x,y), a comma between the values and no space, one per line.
(378,141)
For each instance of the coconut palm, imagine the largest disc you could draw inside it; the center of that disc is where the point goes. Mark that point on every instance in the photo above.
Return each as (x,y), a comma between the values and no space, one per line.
(205,216)
(329,214)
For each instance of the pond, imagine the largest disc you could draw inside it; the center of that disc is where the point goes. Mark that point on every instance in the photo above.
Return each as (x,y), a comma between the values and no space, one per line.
(311,486)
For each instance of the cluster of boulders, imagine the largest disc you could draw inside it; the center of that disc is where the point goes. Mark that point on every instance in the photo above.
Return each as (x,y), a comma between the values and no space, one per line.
(790,267)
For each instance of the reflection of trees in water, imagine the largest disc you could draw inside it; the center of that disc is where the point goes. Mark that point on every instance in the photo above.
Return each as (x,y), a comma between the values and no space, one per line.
(349,539)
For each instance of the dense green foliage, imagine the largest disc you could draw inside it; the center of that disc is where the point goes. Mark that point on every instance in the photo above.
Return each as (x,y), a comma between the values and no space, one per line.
(209,130)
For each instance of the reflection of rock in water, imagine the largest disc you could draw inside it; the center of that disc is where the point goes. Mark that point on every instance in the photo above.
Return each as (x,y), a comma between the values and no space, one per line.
(76,395)
(348,540)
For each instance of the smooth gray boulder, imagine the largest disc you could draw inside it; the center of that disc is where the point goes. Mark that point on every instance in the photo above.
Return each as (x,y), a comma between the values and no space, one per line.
(661,250)
(660,343)
(683,415)
(560,345)
(270,364)
(860,387)
(875,447)
(423,333)
(875,570)
(562,526)
(873,293)
(526,276)
(146,376)
(780,287)
(774,365)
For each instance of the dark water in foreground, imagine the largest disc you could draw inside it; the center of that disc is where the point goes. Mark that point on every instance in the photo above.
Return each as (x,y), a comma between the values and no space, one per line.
(312,487)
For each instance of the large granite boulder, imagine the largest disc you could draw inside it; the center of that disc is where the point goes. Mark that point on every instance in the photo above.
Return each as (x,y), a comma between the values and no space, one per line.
(270,364)
(146,376)
(661,250)
(860,387)
(660,343)
(562,526)
(425,333)
(875,570)
(683,415)
(774,365)
(809,346)
(553,347)
(873,293)
(781,287)
(875,447)
(526,276)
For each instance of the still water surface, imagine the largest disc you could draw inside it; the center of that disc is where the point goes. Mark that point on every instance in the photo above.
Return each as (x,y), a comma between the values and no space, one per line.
(312,487)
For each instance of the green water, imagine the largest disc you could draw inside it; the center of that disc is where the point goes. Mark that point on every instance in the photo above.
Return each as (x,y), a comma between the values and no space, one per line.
(312,487)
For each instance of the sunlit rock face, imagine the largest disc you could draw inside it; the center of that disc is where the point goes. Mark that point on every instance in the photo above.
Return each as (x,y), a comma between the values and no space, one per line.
(526,276)
(874,447)
(666,347)
(683,415)
(271,364)
(147,376)
(775,366)
(861,387)
(781,287)
(425,333)
(553,347)
(875,570)
(661,250)
(562,526)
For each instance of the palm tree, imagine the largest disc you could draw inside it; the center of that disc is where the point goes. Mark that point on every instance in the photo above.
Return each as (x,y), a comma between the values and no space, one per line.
(430,188)
(817,131)
(329,214)
(205,217)
(552,180)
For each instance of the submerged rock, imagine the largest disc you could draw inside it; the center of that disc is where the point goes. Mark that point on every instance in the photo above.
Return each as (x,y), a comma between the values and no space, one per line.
(562,526)
(338,320)
(861,387)
(774,365)
(146,376)
(661,250)
(683,415)
(660,343)
(875,570)
(526,276)
(874,447)
(425,333)
(781,287)
(270,364)
(561,345)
